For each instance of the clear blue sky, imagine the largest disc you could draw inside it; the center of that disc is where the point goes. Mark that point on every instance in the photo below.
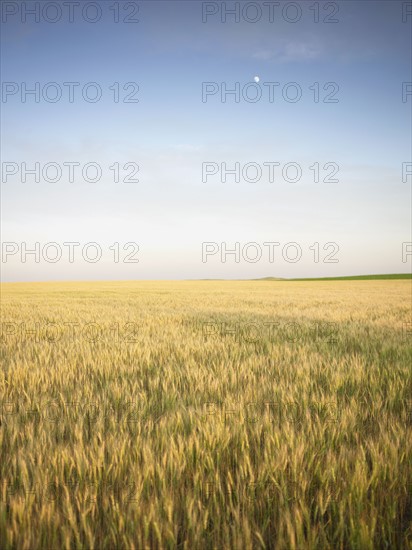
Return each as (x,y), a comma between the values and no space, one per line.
(170,132)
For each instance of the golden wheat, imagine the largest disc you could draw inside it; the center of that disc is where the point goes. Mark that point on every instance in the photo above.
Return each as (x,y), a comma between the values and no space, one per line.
(206,415)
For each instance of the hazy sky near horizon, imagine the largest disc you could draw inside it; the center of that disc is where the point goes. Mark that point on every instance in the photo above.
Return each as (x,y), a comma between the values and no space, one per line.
(361,64)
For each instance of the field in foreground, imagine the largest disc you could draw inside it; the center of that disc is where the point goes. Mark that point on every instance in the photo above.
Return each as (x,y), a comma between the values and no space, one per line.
(206,415)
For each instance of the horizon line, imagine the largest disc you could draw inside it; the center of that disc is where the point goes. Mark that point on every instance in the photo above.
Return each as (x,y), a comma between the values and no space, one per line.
(376,276)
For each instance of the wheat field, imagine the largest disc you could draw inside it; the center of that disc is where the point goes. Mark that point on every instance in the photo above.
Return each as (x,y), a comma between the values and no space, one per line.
(206,415)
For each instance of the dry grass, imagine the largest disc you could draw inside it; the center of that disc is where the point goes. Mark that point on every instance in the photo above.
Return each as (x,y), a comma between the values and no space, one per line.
(206,432)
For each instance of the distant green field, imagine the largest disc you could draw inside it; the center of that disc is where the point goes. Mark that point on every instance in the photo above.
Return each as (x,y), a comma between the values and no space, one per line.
(348,278)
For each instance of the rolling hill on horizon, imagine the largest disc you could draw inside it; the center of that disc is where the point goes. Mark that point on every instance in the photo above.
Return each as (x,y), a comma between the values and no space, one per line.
(386,276)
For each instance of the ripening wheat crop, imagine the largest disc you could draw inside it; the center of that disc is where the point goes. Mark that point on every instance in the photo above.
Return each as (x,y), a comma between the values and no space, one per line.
(206,415)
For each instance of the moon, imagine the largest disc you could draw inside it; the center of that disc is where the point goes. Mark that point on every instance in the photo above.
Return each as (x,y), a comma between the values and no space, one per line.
(256,79)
